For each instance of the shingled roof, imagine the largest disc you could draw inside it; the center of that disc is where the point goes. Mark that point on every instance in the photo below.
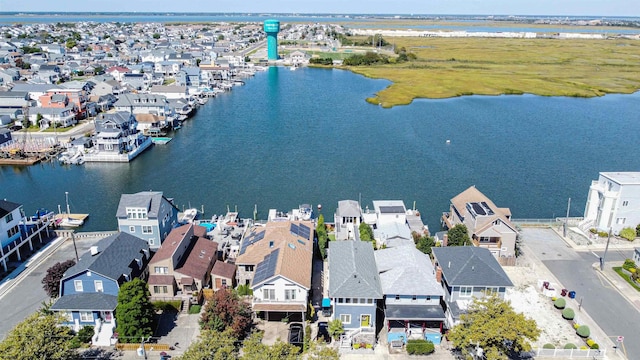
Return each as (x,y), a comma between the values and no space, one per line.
(353,271)
(470,266)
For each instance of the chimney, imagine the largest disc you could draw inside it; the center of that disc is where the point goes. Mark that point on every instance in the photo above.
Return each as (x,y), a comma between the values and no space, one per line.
(439,274)
(94,250)
(445,239)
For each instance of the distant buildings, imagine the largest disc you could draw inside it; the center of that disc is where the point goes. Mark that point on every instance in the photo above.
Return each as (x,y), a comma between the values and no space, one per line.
(613,202)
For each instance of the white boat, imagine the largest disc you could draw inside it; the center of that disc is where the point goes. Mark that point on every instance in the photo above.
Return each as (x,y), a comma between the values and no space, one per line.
(189,216)
(67,221)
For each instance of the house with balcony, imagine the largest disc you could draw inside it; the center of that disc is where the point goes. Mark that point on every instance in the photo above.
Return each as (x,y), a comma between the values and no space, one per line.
(489,226)
(117,138)
(156,106)
(75,98)
(354,289)
(412,295)
(613,202)
(347,218)
(53,117)
(389,222)
(10,237)
(89,289)
(148,215)
(275,260)
(182,265)
(465,273)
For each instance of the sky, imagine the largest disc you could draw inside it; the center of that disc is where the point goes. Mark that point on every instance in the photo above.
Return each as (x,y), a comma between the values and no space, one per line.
(472,7)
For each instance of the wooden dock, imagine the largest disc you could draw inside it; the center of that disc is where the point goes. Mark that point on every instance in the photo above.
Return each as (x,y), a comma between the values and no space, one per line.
(72,216)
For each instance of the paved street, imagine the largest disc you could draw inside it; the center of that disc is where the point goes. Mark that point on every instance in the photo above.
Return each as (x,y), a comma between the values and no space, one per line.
(18,302)
(574,269)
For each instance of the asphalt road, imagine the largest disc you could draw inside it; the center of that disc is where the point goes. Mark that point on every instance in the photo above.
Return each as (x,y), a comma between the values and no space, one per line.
(27,296)
(574,269)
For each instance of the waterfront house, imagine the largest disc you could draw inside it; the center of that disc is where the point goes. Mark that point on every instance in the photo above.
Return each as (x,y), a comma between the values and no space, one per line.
(275,259)
(10,238)
(89,289)
(182,265)
(412,294)
(223,275)
(613,202)
(117,138)
(148,215)
(190,77)
(144,104)
(354,288)
(389,222)
(489,226)
(465,273)
(170,91)
(5,134)
(347,219)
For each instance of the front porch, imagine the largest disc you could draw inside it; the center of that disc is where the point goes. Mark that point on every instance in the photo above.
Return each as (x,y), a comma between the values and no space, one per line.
(406,322)
(279,312)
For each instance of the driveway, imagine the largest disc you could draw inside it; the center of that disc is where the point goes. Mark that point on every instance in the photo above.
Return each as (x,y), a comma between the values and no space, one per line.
(574,269)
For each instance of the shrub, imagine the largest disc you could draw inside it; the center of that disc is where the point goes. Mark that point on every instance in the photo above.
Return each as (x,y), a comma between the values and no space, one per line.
(576,326)
(628,233)
(369,346)
(173,305)
(638,230)
(560,303)
(584,347)
(85,334)
(629,264)
(420,347)
(583,331)
(570,346)
(594,231)
(553,298)
(603,234)
(595,346)
(590,342)
(356,346)
(548,346)
(568,314)
(195,309)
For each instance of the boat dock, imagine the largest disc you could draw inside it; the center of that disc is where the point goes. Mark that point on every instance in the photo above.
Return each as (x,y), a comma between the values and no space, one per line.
(71,216)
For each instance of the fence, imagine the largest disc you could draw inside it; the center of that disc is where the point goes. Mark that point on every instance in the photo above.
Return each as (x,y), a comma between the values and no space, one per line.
(570,353)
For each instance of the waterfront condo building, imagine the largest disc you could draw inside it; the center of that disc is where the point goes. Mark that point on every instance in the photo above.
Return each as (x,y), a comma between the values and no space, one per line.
(613,202)
(10,216)
(489,226)
(148,215)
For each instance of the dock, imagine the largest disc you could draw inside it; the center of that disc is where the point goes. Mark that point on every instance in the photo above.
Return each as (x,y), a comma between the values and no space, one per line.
(71,216)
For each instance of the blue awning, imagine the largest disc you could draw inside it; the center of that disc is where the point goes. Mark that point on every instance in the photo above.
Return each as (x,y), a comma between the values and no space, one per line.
(326,302)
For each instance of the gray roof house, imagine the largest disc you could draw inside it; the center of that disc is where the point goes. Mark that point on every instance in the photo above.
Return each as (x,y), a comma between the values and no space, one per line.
(466,272)
(147,214)
(354,288)
(412,294)
(347,218)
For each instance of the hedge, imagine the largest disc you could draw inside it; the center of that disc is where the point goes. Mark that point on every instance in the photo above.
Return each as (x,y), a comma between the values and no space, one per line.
(173,305)
(590,342)
(560,303)
(595,346)
(570,346)
(420,347)
(568,313)
(583,331)
(548,346)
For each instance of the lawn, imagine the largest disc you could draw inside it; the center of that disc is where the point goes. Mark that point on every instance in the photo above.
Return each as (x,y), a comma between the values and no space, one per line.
(626,276)
(449,67)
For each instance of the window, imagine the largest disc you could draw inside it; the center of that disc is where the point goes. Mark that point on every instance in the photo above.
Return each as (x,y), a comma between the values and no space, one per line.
(224,282)
(340,300)
(466,291)
(397,297)
(132,229)
(625,203)
(86,316)
(98,285)
(269,294)
(152,241)
(9,218)
(290,294)
(136,213)
(347,300)
(146,229)
(369,301)
(621,220)
(78,285)
(159,289)
(428,297)
(414,298)
(14,230)
(345,318)
(248,268)
(161,269)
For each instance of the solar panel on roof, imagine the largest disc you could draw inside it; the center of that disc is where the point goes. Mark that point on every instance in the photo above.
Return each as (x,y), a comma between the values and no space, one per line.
(267,267)
(304,231)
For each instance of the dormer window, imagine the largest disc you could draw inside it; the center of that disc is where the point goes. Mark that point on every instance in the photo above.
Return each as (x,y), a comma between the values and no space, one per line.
(136,213)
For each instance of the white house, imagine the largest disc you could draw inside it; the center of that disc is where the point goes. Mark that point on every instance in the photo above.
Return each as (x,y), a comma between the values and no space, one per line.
(613,202)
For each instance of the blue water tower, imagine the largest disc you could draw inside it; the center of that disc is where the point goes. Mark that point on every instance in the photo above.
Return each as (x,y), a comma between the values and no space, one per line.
(272,27)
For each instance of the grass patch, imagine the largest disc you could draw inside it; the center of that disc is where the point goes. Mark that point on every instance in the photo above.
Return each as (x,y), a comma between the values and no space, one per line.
(626,276)
(332,237)
(450,67)
(195,309)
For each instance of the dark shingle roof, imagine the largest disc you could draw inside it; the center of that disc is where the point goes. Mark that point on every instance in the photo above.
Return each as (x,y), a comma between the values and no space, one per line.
(353,271)
(149,200)
(86,301)
(470,266)
(7,207)
(116,253)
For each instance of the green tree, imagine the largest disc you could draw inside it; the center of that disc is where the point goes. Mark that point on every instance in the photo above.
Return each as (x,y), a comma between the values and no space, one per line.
(425,243)
(366,233)
(225,311)
(156,36)
(496,327)
(71,43)
(323,238)
(319,351)
(134,312)
(458,236)
(336,328)
(638,230)
(254,349)
(220,37)
(212,345)
(39,336)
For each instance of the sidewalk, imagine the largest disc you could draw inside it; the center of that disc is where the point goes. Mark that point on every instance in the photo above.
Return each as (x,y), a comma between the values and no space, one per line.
(626,290)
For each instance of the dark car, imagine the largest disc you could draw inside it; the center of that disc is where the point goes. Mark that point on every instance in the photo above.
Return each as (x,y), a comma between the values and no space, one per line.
(296,335)
(323,332)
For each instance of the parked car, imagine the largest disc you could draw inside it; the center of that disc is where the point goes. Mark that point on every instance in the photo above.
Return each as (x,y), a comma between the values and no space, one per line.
(296,335)
(323,332)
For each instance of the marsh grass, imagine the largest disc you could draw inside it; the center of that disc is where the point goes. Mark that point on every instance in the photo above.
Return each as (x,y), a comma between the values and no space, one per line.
(449,67)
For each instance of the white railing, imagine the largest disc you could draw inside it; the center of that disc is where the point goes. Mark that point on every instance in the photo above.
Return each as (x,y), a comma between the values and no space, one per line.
(570,353)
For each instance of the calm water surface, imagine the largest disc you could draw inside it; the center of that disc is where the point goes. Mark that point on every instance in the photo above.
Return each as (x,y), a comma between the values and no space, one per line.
(308,136)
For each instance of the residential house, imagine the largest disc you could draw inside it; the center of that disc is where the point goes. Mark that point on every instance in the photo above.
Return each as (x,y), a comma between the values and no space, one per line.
(467,272)
(354,288)
(223,275)
(412,294)
(33,90)
(184,59)
(53,116)
(170,92)
(118,72)
(613,202)
(276,261)
(14,101)
(117,133)
(75,98)
(389,222)
(89,289)
(489,226)
(147,214)
(138,81)
(10,238)
(109,87)
(144,104)
(189,76)
(182,265)
(347,219)
(5,134)
(298,58)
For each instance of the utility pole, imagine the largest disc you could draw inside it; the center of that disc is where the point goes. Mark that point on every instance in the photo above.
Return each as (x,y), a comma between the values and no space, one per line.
(73,238)
(604,256)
